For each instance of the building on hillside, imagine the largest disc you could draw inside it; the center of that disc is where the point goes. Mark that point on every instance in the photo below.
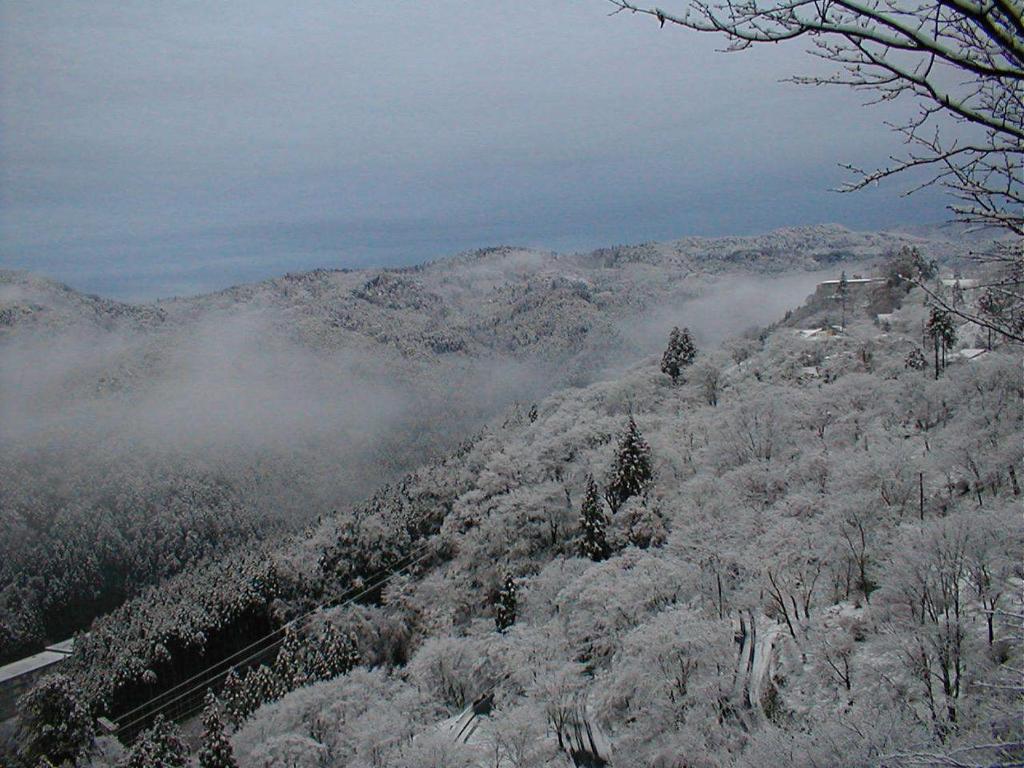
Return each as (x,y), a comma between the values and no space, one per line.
(969,354)
(819,333)
(829,288)
(966,283)
(18,676)
(869,295)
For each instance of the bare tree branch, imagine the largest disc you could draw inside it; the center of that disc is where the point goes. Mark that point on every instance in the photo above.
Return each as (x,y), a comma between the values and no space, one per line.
(960,61)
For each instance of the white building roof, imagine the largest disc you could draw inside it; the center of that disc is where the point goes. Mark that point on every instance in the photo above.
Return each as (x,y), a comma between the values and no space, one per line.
(852,280)
(972,353)
(52,654)
(65,646)
(30,664)
(965,282)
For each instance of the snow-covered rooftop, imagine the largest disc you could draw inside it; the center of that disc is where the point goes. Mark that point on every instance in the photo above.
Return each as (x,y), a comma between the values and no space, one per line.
(30,664)
(52,654)
(818,333)
(949,282)
(852,280)
(65,646)
(971,353)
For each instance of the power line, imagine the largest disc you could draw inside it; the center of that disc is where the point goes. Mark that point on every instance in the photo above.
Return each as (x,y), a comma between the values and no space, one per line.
(374,582)
(294,622)
(262,639)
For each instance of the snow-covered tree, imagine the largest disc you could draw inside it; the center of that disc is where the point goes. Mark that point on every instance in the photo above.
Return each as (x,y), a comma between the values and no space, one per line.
(637,524)
(505,606)
(929,591)
(943,334)
(593,541)
(215,751)
(292,750)
(915,360)
(54,722)
(908,266)
(843,292)
(161,746)
(261,686)
(680,352)
(233,694)
(290,664)
(631,471)
(334,654)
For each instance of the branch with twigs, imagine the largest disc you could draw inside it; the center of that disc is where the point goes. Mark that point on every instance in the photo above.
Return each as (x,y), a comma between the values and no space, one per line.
(961,61)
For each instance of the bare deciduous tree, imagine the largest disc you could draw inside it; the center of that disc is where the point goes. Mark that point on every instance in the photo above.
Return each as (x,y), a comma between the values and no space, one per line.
(960,61)
(1000,306)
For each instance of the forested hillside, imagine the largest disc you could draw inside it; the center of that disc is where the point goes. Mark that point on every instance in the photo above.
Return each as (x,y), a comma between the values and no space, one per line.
(804,551)
(140,440)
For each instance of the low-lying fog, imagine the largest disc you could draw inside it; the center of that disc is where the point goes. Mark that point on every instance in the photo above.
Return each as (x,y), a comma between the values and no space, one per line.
(324,429)
(126,456)
(729,307)
(309,431)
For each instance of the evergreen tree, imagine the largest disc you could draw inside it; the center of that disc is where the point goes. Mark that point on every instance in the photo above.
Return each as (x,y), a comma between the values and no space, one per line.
(336,654)
(216,750)
(505,608)
(321,663)
(159,747)
(350,656)
(261,686)
(594,544)
(844,293)
(680,352)
(233,693)
(54,722)
(631,471)
(915,360)
(908,265)
(290,664)
(957,297)
(943,334)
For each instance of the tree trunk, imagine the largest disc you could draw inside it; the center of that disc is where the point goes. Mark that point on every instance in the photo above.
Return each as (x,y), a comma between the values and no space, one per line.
(718,578)
(920,494)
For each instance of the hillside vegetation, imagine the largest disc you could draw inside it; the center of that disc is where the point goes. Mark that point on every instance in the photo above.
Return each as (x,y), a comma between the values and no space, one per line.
(821,567)
(141,440)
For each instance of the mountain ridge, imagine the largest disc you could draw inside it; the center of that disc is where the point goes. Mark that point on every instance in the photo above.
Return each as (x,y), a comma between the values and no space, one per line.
(280,400)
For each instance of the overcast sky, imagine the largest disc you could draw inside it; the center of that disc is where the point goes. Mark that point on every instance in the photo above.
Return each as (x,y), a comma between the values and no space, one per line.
(158,148)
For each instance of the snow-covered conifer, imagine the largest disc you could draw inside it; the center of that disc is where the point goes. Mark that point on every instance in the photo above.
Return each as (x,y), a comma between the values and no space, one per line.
(943,334)
(233,695)
(505,607)
(680,352)
(261,686)
(290,664)
(915,360)
(159,747)
(335,654)
(216,750)
(593,544)
(350,657)
(54,722)
(631,471)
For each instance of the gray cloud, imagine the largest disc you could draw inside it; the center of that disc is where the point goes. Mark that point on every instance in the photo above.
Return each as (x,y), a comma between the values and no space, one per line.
(159,148)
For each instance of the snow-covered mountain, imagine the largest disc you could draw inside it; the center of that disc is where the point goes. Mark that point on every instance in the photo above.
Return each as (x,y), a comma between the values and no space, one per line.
(496,299)
(817,564)
(141,438)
